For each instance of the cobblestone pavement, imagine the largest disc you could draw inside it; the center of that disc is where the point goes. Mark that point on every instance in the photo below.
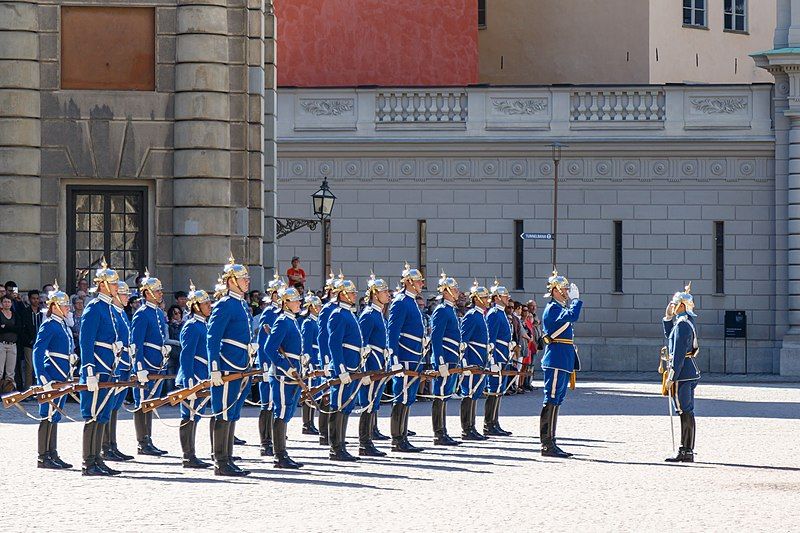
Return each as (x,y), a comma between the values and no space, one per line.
(747,474)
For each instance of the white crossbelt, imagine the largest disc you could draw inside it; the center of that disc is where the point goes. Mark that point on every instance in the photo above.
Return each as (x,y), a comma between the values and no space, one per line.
(403,346)
(291,356)
(449,349)
(501,342)
(480,344)
(560,330)
(375,348)
(106,345)
(238,344)
(412,337)
(201,359)
(351,347)
(58,355)
(451,341)
(153,346)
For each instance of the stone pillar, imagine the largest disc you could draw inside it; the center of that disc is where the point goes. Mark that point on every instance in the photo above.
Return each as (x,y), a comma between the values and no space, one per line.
(202,163)
(270,145)
(20,144)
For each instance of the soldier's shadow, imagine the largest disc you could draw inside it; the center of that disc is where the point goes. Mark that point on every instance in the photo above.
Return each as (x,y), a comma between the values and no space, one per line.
(135,476)
(758,467)
(634,463)
(311,481)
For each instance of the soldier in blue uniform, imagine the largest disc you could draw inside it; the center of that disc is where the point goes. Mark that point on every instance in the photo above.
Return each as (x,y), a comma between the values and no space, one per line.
(309,330)
(373,331)
(149,334)
(560,360)
(324,354)
(53,359)
(682,343)
(192,369)
(345,347)
(100,348)
(500,339)
(230,348)
(475,336)
(267,318)
(446,353)
(406,339)
(283,355)
(123,373)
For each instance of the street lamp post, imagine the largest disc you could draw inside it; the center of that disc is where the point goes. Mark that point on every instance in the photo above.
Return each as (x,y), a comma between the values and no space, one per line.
(556,160)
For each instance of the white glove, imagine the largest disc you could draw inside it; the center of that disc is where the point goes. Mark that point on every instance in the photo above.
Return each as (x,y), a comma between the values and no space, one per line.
(444,370)
(141,375)
(192,397)
(47,387)
(365,381)
(396,368)
(216,378)
(327,372)
(573,292)
(92,383)
(344,378)
(494,368)
(466,373)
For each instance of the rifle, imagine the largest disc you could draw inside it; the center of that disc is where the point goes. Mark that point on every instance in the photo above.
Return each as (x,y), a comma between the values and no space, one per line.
(52,395)
(152,405)
(13,398)
(176,397)
(374,375)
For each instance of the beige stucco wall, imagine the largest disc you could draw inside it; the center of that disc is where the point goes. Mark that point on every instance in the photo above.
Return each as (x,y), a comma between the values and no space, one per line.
(564,41)
(614,41)
(717,50)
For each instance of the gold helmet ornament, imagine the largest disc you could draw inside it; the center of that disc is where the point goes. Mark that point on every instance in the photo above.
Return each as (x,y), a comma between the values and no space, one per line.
(104,274)
(556,281)
(196,296)
(446,284)
(57,296)
(411,274)
(220,288)
(312,299)
(150,283)
(685,297)
(234,270)
(498,290)
(478,291)
(375,285)
(276,284)
(344,285)
(123,288)
(289,294)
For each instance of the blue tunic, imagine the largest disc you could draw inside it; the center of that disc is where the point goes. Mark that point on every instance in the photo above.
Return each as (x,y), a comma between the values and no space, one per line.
(229,334)
(51,360)
(344,346)
(97,336)
(475,334)
(125,364)
(149,333)
(405,332)
(322,339)
(682,341)
(445,346)
(373,331)
(265,322)
(559,355)
(282,352)
(193,363)
(500,337)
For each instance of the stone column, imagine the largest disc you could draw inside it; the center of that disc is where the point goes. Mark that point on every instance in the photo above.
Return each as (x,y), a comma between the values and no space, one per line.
(202,165)
(270,145)
(20,143)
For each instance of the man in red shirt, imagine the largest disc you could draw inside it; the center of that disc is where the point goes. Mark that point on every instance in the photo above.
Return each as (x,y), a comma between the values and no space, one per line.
(296,274)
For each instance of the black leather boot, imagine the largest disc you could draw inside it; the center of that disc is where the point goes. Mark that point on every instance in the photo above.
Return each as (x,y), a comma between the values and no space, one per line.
(53,438)
(265,432)
(556,409)
(229,444)
(396,426)
(144,446)
(335,437)
(376,434)
(445,439)
(686,450)
(496,418)
(407,446)
(324,423)
(308,421)
(281,458)
(43,447)
(489,428)
(149,419)
(90,467)
(186,434)
(366,448)
(468,409)
(546,436)
(194,445)
(111,429)
(100,429)
(219,438)
(343,420)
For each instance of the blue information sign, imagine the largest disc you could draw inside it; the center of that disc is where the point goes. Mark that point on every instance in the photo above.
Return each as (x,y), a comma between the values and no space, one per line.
(537,236)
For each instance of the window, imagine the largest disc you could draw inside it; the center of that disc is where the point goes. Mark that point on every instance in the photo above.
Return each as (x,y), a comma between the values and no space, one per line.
(481,13)
(108,222)
(617,256)
(519,263)
(422,246)
(719,257)
(736,15)
(111,48)
(694,13)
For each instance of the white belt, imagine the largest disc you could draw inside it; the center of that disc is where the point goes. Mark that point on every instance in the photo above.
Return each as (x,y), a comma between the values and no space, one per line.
(351,347)
(375,348)
(238,344)
(502,343)
(202,360)
(237,367)
(451,341)
(291,356)
(58,355)
(153,346)
(315,346)
(412,337)
(106,345)
(403,346)
(482,345)
(449,349)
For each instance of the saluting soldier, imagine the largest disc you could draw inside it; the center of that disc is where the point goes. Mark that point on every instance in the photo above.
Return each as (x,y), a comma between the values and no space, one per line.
(373,332)
(230,349)
(345,346)
(324,354)
(406,337)
(283,355)
(123,373)
(475,336)
(53,359)
(99,349)
(500,339)
(560,360)
(309,330)
(265,322)
(446,352)
(149,334)
(682,343)
(192,369)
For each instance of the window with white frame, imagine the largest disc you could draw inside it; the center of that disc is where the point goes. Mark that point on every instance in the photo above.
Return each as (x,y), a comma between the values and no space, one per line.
(736,15)
(694,13)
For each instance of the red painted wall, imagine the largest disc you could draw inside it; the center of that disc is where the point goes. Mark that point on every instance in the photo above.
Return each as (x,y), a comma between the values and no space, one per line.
(345,43)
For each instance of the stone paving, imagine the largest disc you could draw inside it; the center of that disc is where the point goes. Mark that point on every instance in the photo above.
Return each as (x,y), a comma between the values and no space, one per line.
(747,474)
